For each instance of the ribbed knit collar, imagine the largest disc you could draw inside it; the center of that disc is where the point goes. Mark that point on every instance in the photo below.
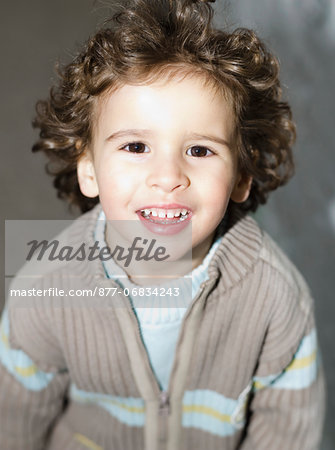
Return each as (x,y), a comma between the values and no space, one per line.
(238,252)
(151,308)
(235,256)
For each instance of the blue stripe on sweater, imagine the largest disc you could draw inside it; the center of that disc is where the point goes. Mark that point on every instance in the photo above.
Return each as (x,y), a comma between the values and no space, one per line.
(19,364)
(204,409)
(209,410)
(128,410)
(300,373)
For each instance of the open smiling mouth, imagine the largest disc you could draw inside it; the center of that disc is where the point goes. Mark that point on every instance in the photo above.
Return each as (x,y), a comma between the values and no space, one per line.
(165,217)
(165,221)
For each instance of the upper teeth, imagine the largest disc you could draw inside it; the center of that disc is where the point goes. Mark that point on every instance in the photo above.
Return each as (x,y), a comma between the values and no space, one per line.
(164,213)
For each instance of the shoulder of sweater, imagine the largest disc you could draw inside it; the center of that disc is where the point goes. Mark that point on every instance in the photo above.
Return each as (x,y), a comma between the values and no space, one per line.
(246,249)
(31,327)
(272,255)
(75,234)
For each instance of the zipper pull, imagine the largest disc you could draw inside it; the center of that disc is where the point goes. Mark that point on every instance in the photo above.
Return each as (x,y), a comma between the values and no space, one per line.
(164,404)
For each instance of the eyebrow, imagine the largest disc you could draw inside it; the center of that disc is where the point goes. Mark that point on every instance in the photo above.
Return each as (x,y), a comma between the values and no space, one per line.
(209,138)
(122,133)
(141,133)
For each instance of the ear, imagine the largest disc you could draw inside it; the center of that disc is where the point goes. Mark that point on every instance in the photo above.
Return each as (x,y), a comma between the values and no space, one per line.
(241,189)
(86,176)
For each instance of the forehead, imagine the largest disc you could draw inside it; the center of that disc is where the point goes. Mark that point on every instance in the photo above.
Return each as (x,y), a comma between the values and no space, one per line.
(193,100)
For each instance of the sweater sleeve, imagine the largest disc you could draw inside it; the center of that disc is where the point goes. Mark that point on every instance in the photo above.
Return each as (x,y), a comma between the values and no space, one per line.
(30,397)
(286,409)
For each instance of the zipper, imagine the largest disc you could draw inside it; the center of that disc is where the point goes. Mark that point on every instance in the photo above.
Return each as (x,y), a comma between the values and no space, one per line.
(163,419)
(152,434)
(164,407)
(172,442)
(164,404)
(164,411)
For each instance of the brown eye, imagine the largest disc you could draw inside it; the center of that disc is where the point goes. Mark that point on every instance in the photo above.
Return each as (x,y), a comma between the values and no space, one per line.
(136,147)
(199,151)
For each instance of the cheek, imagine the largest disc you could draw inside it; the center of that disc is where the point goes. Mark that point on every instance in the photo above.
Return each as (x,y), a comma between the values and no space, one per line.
(117,187)
(216,205)
(215,186)
(115,180)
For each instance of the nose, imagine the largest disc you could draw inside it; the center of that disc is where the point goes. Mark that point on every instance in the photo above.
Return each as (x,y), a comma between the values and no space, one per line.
(168,175)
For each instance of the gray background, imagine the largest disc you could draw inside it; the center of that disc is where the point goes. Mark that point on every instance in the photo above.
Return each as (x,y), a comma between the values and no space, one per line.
(300,216)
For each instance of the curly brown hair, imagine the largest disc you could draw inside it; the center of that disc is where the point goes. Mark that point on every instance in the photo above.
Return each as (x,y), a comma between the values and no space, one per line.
(144,40)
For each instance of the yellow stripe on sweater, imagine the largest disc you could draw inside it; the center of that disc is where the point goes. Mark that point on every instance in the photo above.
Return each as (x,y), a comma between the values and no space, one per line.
(4,338)
(132,409)
(26,371)
(206,410)
(302,362)
(296,364)
(23,371)
(86,442)
(258,385)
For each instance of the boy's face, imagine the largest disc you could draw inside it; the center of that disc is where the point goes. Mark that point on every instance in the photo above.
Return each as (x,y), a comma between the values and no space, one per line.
(162,148)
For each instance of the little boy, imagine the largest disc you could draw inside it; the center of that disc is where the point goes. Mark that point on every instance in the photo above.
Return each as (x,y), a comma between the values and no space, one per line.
(171,125)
